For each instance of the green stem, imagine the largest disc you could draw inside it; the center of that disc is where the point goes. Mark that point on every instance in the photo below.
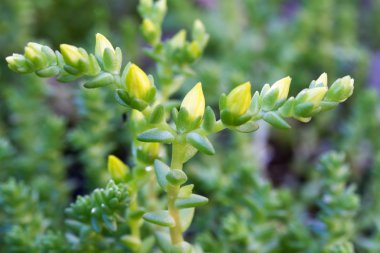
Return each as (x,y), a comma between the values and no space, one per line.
(134,223)
(176,164)
(219,126)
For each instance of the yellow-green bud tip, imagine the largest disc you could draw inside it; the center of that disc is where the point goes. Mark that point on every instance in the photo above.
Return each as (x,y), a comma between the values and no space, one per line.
(283,86)
(137,83)
(194,102)
(315,95)
(117,169)
(322,79)
(239,99)
(148,25)
(70,54)
(101,44)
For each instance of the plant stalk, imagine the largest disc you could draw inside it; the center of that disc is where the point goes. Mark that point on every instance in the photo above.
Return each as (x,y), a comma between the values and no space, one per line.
(176,164)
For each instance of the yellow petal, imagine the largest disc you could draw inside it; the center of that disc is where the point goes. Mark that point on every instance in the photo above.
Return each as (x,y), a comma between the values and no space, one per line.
(239,99)
(194,102)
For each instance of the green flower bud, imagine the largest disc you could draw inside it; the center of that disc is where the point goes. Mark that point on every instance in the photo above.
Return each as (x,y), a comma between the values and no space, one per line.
(199,33)
(193,50)
(341,89)
(19,63)
(311,95)
(150,31)
(117,169)
(101,44)
(322,79)
(35,56)
(277,93)
(138,84)
(194,102)
(239,99)
(148,151)
(73,56)
(161,7)
(178,40)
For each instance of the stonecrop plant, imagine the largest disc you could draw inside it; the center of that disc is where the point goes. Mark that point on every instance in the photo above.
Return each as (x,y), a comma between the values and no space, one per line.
(152,187)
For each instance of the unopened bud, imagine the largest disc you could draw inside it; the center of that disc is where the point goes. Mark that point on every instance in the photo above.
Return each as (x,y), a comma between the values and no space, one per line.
(322,79)
(341,89)
(72,55)
(312,95)
(194,102)
(277,93)
(148,151)
(35,56)
(18,63)
(117,169)
(239,99)
(150,31)
(194,51)
(138,84)
(199,33)
(101,44)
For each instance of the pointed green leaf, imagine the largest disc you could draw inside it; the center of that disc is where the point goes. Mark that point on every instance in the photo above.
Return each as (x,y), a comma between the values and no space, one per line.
(286,110)
(190,151)
(325,105)
(176,177)
(269,99)
(209,119)
(163,240)
(161,218)
(255,104)
(201,143)
(156,135)
(158,115)
(131,242)
(147,245)
(101,80)
(248,127)
(193,201)
(186,216)
(48,72)
(109,222)
(95,224)
(110,62)
(161,170)
(275,120)
(304,109)
(185,191)
(182,247)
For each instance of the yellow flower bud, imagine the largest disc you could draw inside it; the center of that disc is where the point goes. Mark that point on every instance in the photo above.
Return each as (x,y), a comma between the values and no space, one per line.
(341,89)
(313,95)
(34,55)
(194,102)
(117,169)
(239,99)
(71,54)
(137,83)
(322,79)
(150,31)
(148,26)
(282,86)
(149,151)
(194,50)
(18,63)
(101,44)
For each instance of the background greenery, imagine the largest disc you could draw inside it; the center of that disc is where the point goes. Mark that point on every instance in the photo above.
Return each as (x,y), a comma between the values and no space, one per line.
(267,192)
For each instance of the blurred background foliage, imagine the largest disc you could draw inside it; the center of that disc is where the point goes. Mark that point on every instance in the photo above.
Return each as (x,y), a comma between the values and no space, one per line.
(54,138)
